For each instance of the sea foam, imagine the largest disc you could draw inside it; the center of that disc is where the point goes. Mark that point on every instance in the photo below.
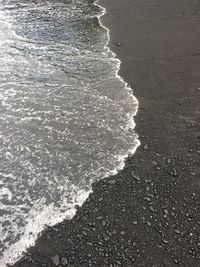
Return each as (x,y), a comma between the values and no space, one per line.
(66,115)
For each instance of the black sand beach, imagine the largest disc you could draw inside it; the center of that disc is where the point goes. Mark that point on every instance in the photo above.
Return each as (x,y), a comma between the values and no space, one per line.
(148,214)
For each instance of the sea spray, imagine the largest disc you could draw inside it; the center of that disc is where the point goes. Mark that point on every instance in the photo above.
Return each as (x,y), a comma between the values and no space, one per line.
(66,115)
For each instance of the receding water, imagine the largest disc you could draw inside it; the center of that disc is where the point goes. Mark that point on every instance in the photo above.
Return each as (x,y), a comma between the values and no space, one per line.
(66,117)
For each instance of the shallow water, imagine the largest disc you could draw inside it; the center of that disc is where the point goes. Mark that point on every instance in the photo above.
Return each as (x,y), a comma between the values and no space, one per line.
(66,117)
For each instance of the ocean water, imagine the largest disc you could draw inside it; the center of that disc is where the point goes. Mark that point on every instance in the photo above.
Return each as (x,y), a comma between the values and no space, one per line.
(66,117)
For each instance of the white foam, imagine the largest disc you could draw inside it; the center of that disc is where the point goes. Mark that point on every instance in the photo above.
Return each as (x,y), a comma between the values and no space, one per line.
(42,215)
(39,220)
(131,123)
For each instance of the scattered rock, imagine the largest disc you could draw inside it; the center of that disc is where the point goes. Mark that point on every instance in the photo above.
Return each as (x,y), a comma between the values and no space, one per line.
(151,208)
(103,223)
(113,181)
(89,244)
(147,199)
(135,176)
(165,211)
(84,233)
(56,260)
(174,173)
(28,259)
(169,161)
(145,147)
(154,162)
(64,261)
(176,261)
(118,44)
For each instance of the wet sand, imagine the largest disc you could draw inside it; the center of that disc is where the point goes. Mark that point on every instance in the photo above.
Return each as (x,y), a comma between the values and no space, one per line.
(149,214)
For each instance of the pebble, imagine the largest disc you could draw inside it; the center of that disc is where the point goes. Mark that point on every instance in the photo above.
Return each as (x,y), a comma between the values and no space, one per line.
(89,244)
(151,208)
(113,181)
(146,147)
(135,176)
(28,258)
(176,261)
(165,211)
(174,173)
(84,233)
(56,260)
(119,44)
(154,162)
(64,261)
(168,161)
(148,199)
(103,223)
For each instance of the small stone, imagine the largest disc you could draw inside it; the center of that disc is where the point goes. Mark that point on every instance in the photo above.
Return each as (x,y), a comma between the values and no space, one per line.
(84,233)
(165,211)
(174,173)
(177,231)
(28,258)
(147,199)
(103,223)
(176,261)
(146,147)
(168,161)
(56,260)
(154,162)
(89,244)
(135,176)
(135,222)
(151,208)
(64,261)
(122,233)
(113,181)
(119,44)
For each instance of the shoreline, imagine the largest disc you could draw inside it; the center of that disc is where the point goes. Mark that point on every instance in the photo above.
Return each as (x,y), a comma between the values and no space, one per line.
(148,214)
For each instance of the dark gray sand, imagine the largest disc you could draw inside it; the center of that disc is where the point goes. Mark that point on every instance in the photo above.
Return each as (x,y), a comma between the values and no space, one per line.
(149,214)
